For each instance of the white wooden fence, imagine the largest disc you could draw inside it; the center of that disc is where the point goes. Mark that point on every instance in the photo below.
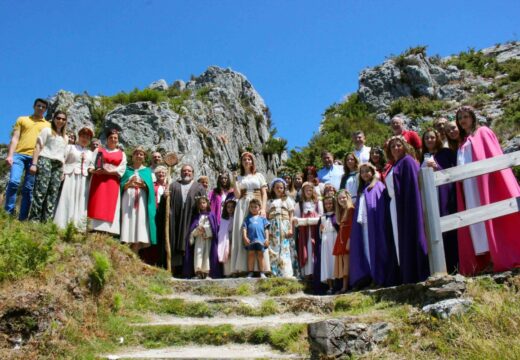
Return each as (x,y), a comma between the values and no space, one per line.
(436,225)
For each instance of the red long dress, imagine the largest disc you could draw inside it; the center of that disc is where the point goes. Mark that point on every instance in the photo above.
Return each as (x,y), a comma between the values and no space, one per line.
(104,190)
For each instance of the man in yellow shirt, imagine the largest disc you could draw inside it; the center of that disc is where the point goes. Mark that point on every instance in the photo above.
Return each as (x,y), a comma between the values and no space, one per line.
(19,157)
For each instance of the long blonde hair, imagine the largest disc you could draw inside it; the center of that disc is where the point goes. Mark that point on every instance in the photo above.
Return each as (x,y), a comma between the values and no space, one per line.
(342,213)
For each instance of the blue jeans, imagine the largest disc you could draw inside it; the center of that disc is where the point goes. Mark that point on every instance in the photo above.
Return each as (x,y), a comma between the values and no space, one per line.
(21,163)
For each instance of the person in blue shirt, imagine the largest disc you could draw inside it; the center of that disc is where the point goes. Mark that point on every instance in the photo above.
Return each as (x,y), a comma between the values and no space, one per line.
(255,234)
(330,173)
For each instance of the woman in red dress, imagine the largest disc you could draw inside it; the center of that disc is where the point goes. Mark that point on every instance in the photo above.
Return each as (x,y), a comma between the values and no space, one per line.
(105,195)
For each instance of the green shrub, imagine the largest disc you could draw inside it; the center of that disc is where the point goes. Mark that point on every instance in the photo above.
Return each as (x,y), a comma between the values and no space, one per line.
(100,273)
(26,247)
(405,58)
(202,93)
(70,232)
(416,107)
(476,62)
(339,122)
(508,125)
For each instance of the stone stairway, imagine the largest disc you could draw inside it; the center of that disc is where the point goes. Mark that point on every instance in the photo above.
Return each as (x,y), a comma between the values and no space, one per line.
(229,319)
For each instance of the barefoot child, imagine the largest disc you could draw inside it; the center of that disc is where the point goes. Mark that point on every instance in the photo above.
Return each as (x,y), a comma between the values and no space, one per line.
(203,238)
(255,234)
(328,233)
(344,215)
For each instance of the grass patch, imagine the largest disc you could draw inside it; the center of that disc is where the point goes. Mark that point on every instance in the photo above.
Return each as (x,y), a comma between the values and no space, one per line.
(488,331)
(26,247)
(180,307)
(271,287)
(285,338)
(354,303)
(278,286)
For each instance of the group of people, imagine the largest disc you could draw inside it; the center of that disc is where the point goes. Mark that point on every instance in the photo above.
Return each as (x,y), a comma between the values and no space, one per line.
(350,224)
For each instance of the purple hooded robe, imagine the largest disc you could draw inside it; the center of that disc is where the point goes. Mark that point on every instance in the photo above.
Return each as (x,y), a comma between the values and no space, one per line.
(382,269)
(446,158)
(413,248)
(215,267)
(216,200)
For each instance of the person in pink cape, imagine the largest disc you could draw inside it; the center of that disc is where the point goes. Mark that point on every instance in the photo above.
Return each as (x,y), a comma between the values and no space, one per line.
(493,244)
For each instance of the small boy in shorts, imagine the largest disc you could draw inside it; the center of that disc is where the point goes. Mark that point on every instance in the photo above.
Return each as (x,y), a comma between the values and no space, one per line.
(255,233)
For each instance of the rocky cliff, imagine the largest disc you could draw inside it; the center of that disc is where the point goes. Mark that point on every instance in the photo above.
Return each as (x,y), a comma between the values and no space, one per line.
(194,119)
(487,79)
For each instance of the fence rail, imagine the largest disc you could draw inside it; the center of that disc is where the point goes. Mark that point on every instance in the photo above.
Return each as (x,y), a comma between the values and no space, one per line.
(436,225)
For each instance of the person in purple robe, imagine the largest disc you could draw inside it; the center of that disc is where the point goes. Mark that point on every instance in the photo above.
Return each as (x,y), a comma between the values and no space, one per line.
(201,255)
(220,194)
(402,182)
(372,252)
(436,156)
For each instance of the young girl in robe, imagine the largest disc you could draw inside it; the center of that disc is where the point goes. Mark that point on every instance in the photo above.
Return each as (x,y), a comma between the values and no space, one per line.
(306,216)
(372,252)
(328,232)
(203,232)
(224,235)
(280,209)
(344,215)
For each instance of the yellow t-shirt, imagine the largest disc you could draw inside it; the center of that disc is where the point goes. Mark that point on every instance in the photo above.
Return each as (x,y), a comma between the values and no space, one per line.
(29,128)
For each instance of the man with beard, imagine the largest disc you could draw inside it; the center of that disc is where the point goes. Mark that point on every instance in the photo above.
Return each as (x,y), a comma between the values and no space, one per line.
(183,194)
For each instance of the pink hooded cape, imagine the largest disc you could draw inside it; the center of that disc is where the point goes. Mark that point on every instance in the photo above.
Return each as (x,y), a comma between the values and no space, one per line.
(502,232)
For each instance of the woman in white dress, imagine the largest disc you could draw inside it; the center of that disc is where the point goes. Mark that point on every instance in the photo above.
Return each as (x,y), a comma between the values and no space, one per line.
(72,205)
(138,204)
(250,184)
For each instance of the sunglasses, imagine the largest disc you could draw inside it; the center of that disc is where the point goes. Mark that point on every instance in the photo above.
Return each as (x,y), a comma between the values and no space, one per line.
(61,118)
(41,106)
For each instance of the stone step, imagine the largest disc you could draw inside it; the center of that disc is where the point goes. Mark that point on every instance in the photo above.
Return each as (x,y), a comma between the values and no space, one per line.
(237,286)
(235,321)
(188,304)
(230,351)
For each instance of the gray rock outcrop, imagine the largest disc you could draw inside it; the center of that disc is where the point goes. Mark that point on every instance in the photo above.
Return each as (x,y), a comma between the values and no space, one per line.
(341,337)
(220,106)
(411,75)
(448,308)
(160,84)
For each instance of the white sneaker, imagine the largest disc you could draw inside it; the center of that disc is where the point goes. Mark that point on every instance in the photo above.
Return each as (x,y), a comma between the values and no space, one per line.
(262,276)
(250,275)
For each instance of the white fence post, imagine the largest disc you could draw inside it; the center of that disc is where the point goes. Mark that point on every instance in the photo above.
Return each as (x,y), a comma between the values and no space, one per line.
(430,200)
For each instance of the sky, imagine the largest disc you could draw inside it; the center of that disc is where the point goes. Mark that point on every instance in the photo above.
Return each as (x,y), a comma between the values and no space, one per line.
(301,56)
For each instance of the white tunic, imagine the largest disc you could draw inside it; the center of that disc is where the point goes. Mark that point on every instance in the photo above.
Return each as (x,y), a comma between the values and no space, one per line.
(328,238)
(134,221)
(72,205)
(393,209)
(472,199)
(202,245)
(362,219)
